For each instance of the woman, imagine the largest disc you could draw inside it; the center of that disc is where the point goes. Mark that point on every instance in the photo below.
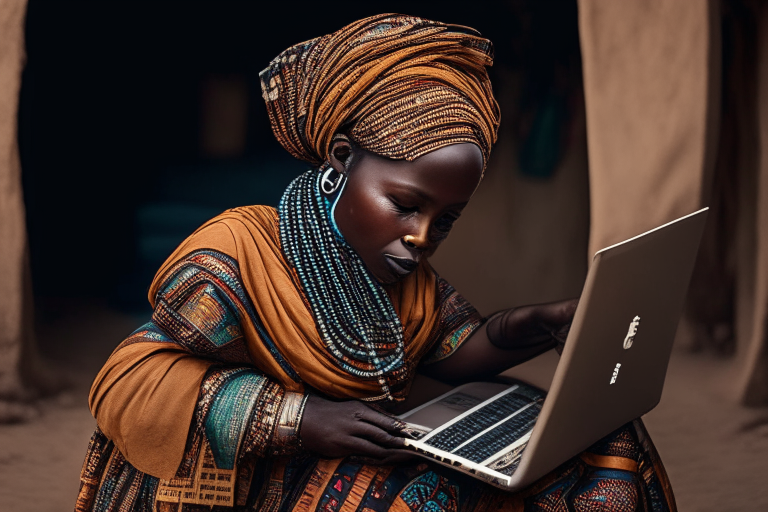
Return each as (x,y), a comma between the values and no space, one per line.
(279,337)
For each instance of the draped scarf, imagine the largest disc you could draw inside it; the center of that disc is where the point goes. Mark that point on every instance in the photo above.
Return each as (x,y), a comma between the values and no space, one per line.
(251,236)
(145,395)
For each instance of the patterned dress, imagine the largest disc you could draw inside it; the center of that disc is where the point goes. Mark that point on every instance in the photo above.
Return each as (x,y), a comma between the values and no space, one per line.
(234,460)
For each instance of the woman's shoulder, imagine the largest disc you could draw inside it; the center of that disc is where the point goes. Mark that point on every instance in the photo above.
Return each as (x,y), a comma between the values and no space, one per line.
(253,211)
(250,215)
(228,237)
(251,226)
(240,223)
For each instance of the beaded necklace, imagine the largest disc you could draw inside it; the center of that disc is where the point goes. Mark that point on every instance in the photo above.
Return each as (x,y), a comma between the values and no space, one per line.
(353,313)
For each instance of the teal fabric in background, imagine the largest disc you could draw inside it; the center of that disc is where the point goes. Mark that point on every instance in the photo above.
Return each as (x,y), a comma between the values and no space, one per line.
(544,146)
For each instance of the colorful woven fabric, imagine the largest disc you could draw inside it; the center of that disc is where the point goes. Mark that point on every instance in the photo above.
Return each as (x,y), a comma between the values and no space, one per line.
(230,457)
(399,86)
(308,484)
(458,320)
(195,409)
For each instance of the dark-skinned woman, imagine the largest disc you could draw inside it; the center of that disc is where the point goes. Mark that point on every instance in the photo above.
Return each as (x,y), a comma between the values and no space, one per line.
(279,338)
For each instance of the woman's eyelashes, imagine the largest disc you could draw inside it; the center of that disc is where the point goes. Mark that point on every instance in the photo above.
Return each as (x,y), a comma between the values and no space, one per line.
(402,208)
(442,226)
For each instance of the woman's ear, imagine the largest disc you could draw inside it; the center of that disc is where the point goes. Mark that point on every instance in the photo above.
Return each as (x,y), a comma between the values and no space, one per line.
(340,154)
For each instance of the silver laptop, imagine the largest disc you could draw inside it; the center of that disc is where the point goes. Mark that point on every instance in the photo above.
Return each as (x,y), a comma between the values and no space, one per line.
(612,369)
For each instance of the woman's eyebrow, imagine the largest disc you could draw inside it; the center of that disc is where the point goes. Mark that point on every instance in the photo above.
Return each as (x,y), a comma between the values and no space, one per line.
(414,191)
(425,196)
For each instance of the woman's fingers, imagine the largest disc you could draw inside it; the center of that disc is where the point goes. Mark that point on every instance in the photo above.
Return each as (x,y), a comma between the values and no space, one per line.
(383,421)
(338,429)
(378,435)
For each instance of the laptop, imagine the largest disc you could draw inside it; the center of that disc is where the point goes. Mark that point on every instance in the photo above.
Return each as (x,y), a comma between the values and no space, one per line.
(611,371)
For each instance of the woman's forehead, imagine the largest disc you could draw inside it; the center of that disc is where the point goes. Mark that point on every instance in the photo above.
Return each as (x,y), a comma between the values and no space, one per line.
(446,175)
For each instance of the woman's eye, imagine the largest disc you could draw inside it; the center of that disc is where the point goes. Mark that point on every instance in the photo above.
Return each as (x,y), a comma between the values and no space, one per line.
(401,208)
(443,226)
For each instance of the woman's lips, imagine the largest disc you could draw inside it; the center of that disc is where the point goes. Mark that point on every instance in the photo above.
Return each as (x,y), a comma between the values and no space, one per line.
(401,266)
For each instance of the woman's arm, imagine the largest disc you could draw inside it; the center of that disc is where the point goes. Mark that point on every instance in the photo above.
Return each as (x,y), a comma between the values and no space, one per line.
(188,373)
(508,338)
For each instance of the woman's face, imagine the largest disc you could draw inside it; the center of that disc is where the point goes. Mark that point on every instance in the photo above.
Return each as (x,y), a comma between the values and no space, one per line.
(394,212)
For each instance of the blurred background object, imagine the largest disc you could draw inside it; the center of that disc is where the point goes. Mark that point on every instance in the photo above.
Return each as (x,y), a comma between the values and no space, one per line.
(136,122)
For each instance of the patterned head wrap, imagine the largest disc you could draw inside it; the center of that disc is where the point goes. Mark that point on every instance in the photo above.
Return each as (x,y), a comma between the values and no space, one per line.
(399,86)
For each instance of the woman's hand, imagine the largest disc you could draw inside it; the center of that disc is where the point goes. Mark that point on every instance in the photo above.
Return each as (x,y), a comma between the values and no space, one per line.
(527,326)
(339,429)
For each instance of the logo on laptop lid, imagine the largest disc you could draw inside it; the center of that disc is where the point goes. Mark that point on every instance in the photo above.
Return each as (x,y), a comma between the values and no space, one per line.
(630,338)
(615,373)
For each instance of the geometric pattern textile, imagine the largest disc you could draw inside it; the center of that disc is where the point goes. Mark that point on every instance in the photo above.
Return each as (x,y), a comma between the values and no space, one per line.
(232,462)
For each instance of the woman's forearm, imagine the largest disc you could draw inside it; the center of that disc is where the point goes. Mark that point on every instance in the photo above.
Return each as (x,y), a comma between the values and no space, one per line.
(508,338)
(246,413)
(152,395)
(479,359)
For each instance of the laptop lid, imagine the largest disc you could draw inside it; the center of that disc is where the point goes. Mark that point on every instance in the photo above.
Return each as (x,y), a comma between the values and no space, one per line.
(615,359)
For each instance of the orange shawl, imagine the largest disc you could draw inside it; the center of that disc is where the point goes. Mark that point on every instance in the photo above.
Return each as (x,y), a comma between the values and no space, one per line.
(145,396)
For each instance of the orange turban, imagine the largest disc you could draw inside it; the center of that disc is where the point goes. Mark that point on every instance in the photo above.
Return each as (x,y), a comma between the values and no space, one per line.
(399,86)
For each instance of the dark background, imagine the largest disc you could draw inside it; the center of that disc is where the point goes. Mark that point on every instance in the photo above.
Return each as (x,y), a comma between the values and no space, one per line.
(115,174)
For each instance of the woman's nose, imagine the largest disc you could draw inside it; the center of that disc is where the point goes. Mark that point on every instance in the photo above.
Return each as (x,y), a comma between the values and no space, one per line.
(413,242)
(419,239)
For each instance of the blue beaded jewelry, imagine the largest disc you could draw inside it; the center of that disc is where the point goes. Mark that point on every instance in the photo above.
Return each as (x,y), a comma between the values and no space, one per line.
(353,313)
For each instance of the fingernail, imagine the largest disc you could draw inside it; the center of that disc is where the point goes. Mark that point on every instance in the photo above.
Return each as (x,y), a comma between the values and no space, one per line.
(399,424)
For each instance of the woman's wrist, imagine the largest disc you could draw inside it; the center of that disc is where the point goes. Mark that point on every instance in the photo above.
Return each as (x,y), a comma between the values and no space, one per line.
(286,440)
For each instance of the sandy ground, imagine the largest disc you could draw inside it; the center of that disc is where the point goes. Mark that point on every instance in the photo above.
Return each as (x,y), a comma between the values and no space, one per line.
(716,452)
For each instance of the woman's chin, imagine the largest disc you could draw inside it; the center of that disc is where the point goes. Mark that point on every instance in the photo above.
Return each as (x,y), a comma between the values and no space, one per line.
(387,281)
(388,272)
(386,277)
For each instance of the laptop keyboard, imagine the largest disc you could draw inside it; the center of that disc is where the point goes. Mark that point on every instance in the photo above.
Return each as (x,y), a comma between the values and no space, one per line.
(502,436)
(494,440)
